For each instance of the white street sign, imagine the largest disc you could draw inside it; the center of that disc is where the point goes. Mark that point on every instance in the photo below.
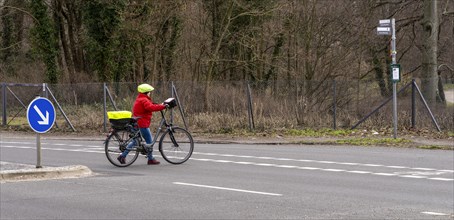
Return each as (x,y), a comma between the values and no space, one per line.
(384,31)
(384,23)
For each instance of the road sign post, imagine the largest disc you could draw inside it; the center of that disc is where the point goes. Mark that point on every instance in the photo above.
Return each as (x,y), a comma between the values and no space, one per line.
(388,27)
(41,118)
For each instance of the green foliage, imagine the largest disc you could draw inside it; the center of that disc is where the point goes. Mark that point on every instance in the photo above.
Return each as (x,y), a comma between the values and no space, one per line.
(44,39)
(451,134)
(116,40)
(236,25)
(12,32)
(169,36)
(7,34)
(373,141)
(317,133)
(431,147)
(102,20)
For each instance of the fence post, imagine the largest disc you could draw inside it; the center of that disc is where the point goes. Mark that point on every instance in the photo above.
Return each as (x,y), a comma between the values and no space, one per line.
(110,97)
(249,104)
(413,104)
(379,107)
(427,108)
(174,92)
(334,104)
(4,104)
(105,106)
(45,93)
(48,91)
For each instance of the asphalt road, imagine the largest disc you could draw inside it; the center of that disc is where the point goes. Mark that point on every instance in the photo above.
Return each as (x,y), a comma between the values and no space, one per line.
(234,181)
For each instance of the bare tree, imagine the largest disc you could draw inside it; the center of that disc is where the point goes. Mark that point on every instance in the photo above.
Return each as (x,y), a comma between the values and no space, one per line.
(429,50)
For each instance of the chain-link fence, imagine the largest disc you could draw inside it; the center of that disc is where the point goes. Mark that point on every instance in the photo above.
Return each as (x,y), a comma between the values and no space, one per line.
(231,105)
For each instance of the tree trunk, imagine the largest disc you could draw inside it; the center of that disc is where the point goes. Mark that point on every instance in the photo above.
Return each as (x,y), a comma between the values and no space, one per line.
(66,58)
(74,28)
(429,51)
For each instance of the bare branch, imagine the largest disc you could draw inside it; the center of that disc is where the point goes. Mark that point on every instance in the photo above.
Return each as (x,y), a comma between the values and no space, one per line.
(19,9)
(10,46)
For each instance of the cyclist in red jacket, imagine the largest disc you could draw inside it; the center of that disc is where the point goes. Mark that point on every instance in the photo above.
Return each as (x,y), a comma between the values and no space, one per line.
(144,108)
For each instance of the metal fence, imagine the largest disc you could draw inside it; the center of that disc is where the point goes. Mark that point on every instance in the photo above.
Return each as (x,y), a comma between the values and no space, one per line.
(223,106)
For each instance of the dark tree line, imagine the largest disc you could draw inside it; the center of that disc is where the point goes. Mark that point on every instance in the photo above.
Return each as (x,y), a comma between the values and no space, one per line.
(75,41)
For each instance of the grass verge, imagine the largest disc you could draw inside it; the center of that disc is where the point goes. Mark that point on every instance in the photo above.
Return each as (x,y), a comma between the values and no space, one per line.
(375,141)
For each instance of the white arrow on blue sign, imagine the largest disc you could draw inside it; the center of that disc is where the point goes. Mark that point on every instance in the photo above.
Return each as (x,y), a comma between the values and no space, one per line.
(41,115)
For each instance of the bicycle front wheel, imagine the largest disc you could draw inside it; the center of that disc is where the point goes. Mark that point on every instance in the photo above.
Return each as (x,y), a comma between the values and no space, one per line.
(115,144)
(176,145)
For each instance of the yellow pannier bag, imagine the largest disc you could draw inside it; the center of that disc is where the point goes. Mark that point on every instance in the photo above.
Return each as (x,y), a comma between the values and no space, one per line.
(119,119)
(119,114)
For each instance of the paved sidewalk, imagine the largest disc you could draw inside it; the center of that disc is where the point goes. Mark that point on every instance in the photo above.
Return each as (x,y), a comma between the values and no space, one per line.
(13,172)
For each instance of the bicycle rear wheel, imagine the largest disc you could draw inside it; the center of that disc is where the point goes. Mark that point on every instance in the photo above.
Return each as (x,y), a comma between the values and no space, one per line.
(176,145)
(115,144)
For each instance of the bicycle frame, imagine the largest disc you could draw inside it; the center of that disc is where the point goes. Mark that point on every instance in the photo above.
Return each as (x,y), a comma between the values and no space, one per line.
(162,123)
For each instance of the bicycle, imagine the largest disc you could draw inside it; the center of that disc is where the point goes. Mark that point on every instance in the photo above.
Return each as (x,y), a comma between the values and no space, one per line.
(175,144)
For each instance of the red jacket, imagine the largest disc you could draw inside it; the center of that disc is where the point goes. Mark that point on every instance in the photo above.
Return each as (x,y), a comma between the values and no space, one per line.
(144,108)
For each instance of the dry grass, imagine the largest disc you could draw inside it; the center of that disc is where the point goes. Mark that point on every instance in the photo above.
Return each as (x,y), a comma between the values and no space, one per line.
(225,109)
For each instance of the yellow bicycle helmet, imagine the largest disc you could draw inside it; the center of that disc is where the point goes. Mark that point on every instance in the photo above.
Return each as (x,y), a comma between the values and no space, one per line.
(144,88)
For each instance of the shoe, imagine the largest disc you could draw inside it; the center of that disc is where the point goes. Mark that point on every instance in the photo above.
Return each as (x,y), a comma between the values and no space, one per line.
(153,162)
(121,159)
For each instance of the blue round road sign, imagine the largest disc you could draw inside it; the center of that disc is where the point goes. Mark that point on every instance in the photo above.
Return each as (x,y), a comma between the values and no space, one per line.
(41,115)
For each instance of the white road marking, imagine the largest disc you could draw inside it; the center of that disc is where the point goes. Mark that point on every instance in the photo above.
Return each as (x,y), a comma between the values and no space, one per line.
(244,162)
(318,161)
(398,167)
(435,213)
(100,149)
(411,176)
(323,169)
(384,174)
(451,171)
(263,158)
(308,168)
(334,170)
(442,179)
(264,164)
(351,164)
(419,168)
(358,171)
(229,189)
(372,165)
(286,166)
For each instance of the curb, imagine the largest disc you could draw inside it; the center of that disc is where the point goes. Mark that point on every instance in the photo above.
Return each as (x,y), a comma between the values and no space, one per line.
(73,171)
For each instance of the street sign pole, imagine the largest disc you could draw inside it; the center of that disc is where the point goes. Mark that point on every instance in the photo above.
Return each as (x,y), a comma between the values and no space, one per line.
(38,151)
(41,118)
(393,55)
(388,27)
(38,139)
